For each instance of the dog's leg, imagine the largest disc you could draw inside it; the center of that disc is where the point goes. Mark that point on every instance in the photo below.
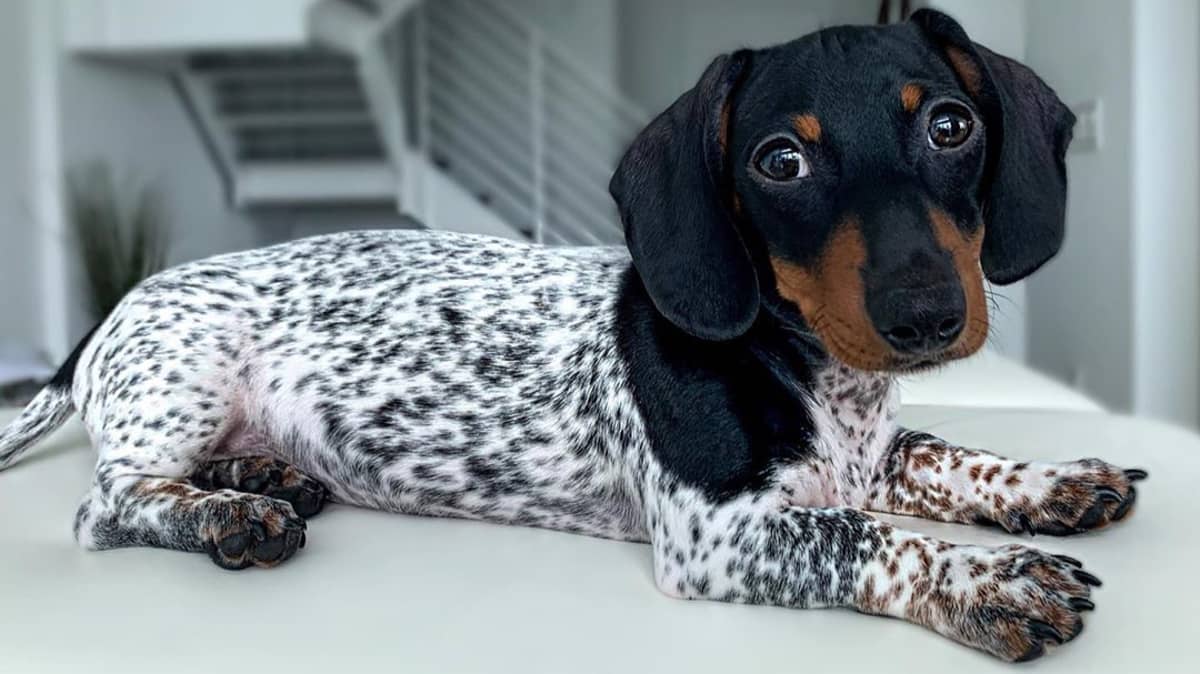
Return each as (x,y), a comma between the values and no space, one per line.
(236,529)
(267,476)
(1010,601)
(154,429)
(927,477)
(166,383)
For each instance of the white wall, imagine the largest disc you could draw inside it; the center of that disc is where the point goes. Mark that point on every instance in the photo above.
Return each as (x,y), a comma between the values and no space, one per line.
(138,25)
(666,44)
(587,29)
(19,311)
(1119,313)
(1166,243)
(1081,304)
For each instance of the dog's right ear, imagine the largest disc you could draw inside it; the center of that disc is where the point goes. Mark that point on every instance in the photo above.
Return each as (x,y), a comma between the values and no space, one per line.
(673,190)
(1028,131)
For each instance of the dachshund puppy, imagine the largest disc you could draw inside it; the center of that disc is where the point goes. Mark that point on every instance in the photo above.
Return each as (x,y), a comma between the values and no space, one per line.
(806,222)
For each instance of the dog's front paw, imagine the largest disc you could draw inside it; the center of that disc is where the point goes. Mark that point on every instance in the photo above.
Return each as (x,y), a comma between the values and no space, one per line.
(1012,602)
(251,530)
(1061,498)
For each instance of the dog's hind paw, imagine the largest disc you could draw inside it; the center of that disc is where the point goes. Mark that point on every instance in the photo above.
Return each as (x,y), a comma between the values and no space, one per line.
(255,531)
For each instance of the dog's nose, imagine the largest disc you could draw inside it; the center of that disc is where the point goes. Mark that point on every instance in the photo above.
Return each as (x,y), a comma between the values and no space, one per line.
(920,321)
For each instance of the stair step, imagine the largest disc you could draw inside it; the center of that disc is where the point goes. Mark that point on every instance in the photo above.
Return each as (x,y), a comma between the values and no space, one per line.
(296,182)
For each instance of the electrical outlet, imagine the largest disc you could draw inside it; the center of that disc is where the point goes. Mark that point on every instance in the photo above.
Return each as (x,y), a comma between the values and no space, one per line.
(1089,120)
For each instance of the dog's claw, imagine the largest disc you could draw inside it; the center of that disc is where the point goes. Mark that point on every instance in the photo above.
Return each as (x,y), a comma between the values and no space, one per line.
(1057,529)
(1045,631)
(1086,578)
(1109,495)
(1067,559)
(1026,524)
(1081,604)
(1123,509)
(1135,474)
(1092,516)
(1035,651)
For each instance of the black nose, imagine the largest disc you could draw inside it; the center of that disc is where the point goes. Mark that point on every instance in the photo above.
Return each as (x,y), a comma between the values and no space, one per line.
(920,321)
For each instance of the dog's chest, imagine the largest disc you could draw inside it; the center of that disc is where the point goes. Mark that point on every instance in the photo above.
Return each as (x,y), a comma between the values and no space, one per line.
(853,415)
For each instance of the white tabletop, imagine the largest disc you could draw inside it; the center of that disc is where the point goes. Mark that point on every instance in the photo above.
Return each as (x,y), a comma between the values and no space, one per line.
(991,380)
(378,592)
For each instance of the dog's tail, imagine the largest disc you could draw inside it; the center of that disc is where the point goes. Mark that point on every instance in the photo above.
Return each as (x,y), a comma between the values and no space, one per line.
(49,409)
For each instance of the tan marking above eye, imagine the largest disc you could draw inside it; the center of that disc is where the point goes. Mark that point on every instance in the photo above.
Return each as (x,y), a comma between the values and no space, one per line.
(723,131)
(808,127)
(910,96)
(964,66)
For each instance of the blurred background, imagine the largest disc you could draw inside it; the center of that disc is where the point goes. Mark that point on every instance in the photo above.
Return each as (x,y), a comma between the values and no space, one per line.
(143,133)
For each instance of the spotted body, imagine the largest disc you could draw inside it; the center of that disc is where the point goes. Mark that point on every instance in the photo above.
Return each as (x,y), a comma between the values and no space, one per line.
(475,378)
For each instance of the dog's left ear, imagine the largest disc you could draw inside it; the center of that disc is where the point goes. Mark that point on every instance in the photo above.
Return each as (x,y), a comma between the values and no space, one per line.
(672,188)
(1028,130)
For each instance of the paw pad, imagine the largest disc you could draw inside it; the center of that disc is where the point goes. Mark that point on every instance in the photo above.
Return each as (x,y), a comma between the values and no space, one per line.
(262,539)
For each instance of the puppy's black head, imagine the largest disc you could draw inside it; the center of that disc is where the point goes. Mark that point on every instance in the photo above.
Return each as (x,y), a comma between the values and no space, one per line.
(864,180)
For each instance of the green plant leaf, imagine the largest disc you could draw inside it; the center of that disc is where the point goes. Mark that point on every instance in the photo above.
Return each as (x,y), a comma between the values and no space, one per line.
(121,239)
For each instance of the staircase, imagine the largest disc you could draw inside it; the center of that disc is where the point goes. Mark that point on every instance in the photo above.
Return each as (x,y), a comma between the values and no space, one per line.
(423,105)
(288,127)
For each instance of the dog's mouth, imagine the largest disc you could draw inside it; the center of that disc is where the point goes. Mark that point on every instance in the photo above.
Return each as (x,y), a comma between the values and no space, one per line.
(924,365)
(831,297)
(858,347)
(832,301)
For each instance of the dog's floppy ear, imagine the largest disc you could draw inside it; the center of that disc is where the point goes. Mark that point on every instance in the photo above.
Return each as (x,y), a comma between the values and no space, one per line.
(1028,130)
(672,189)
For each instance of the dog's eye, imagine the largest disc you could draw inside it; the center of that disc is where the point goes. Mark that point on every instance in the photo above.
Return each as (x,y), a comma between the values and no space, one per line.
(780,159)
(949,126)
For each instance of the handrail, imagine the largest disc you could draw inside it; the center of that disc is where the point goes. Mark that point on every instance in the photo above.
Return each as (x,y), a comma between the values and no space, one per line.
(507,98)
(510,66)
(496,187)
(470,11)
(493,131)
(517,184)
(451,78)
(560,52)
(517,117)
(459,65)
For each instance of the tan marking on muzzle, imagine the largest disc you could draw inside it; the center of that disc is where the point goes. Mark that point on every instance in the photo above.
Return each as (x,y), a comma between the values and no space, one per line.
(964,249)
(832,299)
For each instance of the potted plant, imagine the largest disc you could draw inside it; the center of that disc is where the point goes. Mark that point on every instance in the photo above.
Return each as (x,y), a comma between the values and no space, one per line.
(120,234)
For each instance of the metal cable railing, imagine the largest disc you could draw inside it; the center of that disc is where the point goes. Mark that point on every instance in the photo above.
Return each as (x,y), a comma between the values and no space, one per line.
(513,117)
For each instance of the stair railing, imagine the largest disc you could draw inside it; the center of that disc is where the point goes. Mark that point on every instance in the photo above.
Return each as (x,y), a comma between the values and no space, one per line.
(512,115)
